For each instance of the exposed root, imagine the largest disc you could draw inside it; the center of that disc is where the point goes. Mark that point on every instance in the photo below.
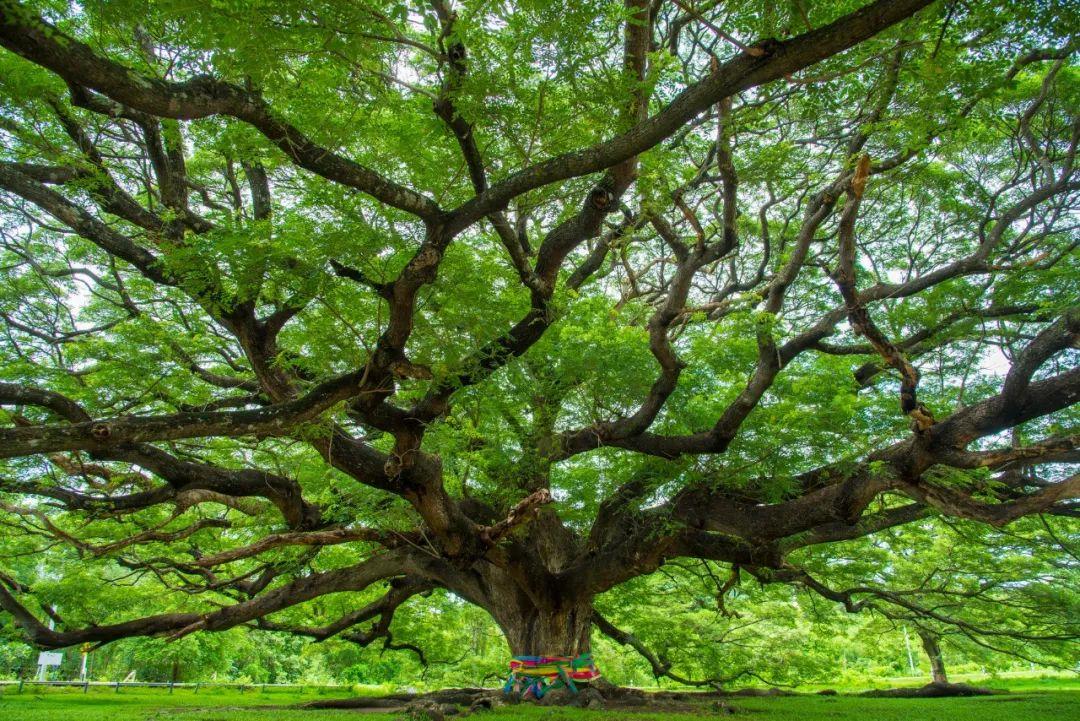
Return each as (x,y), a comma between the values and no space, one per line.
(460,702)
(465,701)
(671,702)
(448,696)
(934,690)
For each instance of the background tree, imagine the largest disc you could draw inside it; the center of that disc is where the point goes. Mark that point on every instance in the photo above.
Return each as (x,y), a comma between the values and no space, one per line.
(305,302)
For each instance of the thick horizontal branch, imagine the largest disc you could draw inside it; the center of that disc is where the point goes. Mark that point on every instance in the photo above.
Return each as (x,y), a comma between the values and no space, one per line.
(333,536)
(276,420)
(352,578)
(1000,412)
(865,526)
(956,503)
(25,34)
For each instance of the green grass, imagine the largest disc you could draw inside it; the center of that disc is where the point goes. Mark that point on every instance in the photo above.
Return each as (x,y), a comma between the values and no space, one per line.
(1045,706)
(1031,700)
(1014,681)
(103,704)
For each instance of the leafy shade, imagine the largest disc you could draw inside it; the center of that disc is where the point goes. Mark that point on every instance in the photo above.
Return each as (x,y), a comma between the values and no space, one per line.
(312,310)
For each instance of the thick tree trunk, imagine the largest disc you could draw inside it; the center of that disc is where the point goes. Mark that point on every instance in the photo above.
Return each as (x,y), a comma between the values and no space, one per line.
(537,611)
(551,629)
(933,651)
(548,631)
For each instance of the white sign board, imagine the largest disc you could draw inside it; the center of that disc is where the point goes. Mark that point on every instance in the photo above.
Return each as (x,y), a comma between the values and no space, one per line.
(48,658)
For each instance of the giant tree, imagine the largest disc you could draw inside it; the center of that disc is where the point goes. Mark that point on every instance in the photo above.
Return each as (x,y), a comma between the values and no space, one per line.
(522,300)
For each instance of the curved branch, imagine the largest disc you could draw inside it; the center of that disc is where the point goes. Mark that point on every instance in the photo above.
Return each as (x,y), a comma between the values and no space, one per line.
(387,539)
(401,590)
(769,60)
(27,35)
(661,668)
(177,625)
(101,435)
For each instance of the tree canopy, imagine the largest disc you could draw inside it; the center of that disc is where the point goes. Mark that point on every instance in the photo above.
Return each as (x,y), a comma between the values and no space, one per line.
(314,309)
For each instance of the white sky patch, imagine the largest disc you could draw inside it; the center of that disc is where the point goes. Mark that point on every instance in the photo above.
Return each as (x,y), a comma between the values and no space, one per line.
(994,362)
(76,303)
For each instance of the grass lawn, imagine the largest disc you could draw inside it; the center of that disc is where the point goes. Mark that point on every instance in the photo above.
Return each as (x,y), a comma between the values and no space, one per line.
(1030,700)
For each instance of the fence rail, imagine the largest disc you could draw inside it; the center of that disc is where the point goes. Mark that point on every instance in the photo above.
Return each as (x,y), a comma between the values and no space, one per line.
(117,685)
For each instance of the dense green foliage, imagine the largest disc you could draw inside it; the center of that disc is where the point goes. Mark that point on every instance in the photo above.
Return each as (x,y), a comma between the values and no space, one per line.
(779,633)
(546,310)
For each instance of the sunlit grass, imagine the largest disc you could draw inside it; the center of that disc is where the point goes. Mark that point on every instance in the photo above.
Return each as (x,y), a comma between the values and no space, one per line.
(1056,699)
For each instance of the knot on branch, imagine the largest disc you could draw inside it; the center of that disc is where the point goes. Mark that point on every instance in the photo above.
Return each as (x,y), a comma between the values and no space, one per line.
(601,198)
(392,467)
(921,418)
(443,107)
(456,53)
(763,48)
(525,510)
(862,172)
(404,368)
